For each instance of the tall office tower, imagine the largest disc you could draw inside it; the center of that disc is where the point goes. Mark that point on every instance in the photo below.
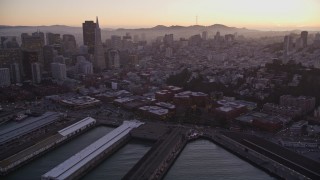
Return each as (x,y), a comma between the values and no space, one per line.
(36,73)
(204,35)
(69,44)
(33,43)
(99,62)
(195,40)
(29,57)
(168,40)
(9,42)
(116,42)
(48,54)
(304,38)
(4,77)
(89,29)
(15,73)
(84,66)
(113,59)
(59,71)
(217,37)
(9,56)
(40,35)
(53,38)
(288,44)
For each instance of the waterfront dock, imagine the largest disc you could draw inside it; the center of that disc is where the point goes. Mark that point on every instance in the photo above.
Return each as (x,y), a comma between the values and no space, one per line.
(80,163)
(10,163)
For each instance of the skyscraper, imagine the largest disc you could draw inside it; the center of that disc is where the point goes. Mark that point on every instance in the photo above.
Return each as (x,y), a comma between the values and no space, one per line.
(32,43)
(304,38)
(4,77)
(29,57)
(8,42)
(89,29)
(288,44)
(15,73)
(99,62)
(204,35)
(58,71)
(53,38)
(116,42)
(36,73)
(168,40)
(48,55)
(69,44)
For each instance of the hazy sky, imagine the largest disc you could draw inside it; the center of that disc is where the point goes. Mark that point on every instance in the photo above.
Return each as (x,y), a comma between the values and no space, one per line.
(258,14)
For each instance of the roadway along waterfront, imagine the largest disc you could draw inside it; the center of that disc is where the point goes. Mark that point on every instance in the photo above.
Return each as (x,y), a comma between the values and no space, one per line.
(38,167)
(202,159)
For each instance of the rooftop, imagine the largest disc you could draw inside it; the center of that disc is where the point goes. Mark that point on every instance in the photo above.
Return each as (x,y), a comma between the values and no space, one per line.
(29,125)
(77,161)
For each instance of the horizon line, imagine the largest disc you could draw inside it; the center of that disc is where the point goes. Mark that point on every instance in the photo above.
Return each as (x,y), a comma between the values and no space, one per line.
(116,27)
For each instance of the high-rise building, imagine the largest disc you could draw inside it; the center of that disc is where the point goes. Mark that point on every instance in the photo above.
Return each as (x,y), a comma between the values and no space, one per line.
(40,35)
(53,38)
(28,58)
(84,66)
(48,54)
(304,38)
(69,44)
(58,71)
(168,40)
(316,41)
(99,62)
(8,42)
(116,42)
(113,59)
(9,56)
(33,43)
(195,40)
(15,73)
(89,30)
(288,44)
(217,37)
(204,35)
(36,73)
(4,77)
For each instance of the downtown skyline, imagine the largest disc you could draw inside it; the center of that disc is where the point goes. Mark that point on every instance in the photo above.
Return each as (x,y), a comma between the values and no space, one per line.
(261,15)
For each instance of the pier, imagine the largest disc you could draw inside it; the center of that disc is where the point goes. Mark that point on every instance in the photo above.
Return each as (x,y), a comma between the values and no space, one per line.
(80,163)
(24,156)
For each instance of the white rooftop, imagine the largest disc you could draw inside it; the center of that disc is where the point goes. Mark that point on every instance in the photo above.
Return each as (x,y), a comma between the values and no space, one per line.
(78,125)
(29,125)
(77,161)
